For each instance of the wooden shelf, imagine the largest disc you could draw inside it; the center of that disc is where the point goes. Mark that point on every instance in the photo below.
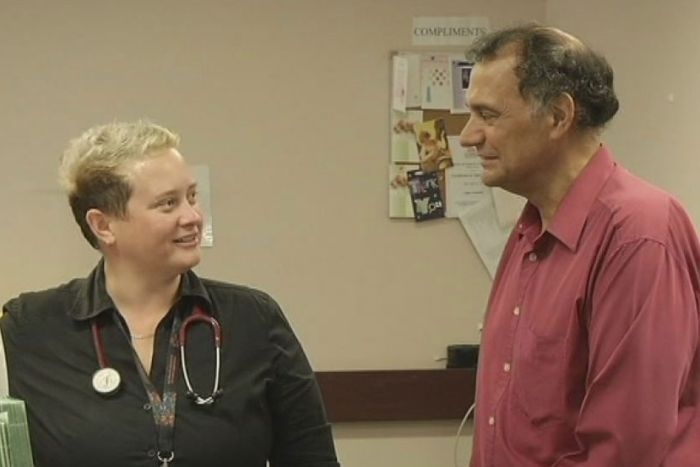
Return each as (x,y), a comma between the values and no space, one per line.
(397,395)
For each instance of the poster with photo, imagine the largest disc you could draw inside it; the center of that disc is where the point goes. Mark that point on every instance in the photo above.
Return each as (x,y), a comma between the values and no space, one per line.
(433,147)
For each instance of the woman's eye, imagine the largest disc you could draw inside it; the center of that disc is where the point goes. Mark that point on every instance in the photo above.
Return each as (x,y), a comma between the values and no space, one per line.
(168,203)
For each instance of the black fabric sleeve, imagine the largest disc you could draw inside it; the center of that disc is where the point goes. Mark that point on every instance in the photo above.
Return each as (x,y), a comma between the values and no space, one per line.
(302,434)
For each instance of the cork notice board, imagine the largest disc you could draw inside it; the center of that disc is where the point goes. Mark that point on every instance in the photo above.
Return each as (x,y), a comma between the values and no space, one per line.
(430,175)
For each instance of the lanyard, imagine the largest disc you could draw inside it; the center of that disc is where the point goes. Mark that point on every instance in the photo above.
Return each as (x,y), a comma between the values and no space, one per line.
(163,406)
(107,380)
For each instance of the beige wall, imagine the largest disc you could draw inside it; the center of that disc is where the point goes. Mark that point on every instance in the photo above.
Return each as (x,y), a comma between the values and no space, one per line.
(653,47)
(287,102)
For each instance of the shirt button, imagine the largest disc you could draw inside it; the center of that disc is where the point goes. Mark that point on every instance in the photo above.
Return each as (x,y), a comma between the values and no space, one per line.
(151,453)
(147,406)
(532,257)
(506,367)
(492,421)
(516,311)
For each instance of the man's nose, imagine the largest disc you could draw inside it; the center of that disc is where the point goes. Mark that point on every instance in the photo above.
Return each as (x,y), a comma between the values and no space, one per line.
(472,134)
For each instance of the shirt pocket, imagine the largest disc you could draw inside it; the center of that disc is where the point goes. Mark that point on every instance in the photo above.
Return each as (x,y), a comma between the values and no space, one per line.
(539,370)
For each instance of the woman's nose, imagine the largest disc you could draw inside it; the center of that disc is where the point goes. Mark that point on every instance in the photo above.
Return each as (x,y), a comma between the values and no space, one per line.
(192,214)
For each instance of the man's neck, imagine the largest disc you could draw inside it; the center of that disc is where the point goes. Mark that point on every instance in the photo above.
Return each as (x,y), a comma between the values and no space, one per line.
(556,184)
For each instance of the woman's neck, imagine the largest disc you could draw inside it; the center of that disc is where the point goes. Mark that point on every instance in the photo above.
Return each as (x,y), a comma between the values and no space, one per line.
(140,292)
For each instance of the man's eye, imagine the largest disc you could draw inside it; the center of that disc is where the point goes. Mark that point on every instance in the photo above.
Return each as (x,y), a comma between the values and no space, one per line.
(192,197)
(488,116)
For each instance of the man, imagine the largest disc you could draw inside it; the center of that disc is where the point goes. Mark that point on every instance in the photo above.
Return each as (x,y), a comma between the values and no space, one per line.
(590,350)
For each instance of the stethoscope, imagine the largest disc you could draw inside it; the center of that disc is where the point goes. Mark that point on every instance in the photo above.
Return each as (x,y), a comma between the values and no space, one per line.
(107,380)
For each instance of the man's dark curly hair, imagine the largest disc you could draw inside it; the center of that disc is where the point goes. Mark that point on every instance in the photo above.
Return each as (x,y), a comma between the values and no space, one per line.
(551,63)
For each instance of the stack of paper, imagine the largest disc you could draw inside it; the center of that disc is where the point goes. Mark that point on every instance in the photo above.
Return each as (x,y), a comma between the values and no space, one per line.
(15,449)
(4,441)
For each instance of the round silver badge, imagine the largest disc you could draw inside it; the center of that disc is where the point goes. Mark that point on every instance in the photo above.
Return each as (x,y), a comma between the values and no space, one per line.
(106,381)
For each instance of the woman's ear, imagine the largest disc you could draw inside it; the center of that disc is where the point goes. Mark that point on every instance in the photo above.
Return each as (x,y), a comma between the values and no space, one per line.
(101,226)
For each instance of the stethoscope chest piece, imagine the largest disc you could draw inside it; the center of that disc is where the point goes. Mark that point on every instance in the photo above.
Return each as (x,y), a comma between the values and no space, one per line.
(106,381)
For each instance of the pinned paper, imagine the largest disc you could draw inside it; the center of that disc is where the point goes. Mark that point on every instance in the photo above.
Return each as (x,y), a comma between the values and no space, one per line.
(400,83)
(436,82)
(448,30)
(461,74)
(201,173)
(403,139)
(413,88)
(400,205)
(463,180)
(508,206)
(486,233)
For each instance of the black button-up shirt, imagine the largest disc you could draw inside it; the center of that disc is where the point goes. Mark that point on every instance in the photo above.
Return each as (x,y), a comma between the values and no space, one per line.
(270,408)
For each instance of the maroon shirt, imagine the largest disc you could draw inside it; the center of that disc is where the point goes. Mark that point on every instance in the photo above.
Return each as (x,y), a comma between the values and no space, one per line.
(590,350)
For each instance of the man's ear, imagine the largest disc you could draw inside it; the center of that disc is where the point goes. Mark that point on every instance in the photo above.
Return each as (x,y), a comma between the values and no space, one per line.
(563,110)
(101,226)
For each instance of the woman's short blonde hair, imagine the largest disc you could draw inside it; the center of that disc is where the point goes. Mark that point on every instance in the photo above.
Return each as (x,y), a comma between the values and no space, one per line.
(93,165)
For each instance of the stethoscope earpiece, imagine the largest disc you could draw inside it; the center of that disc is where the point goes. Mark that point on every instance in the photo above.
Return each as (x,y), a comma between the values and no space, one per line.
(199,400)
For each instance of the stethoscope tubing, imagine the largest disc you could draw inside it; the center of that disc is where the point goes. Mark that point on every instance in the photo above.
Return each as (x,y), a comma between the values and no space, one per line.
(197,316)
(216,329)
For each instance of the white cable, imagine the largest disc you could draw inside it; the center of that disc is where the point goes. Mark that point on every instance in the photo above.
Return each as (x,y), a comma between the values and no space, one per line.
(459,432)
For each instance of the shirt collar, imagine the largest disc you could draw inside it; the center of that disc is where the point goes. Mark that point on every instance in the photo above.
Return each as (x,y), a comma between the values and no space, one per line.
(570,218)
(92,297)
(529,223)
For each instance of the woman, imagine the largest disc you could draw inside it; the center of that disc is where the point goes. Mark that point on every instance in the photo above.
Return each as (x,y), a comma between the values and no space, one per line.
(98,360)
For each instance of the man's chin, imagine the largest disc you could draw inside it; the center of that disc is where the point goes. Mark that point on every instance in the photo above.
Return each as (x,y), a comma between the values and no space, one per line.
(490,180)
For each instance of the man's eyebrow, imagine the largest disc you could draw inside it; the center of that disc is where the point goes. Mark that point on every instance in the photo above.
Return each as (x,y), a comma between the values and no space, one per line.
(482,107)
